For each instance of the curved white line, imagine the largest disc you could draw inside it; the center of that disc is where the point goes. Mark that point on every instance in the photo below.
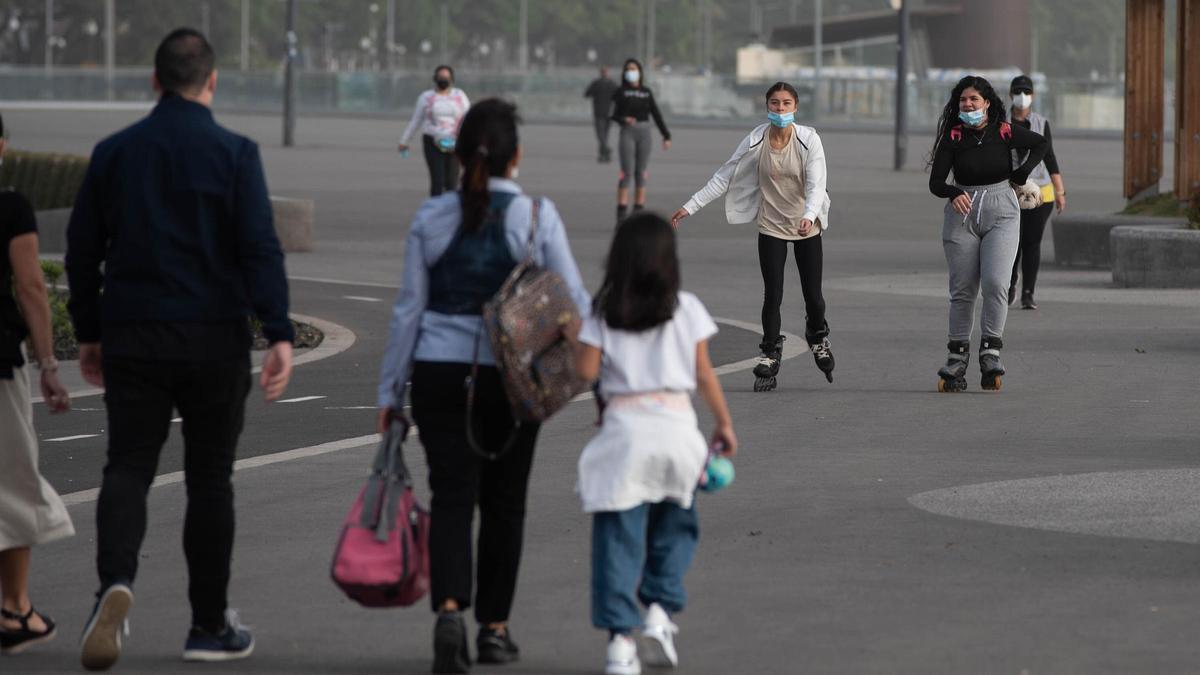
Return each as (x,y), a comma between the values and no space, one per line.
(347,339)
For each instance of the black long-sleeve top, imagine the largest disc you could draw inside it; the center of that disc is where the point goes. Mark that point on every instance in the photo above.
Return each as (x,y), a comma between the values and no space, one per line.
(1050,160)
(176,209)
(983,157)
(638,103)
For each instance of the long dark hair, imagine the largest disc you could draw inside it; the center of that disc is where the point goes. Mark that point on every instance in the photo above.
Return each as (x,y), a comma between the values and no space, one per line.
(641,72)
(641,276)
(950,113)
(487,142)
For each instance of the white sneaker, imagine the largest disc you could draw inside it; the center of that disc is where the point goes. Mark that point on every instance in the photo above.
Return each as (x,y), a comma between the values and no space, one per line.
(656,642)
(622,657)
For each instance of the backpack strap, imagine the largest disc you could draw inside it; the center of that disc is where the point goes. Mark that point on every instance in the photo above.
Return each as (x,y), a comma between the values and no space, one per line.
(530,247)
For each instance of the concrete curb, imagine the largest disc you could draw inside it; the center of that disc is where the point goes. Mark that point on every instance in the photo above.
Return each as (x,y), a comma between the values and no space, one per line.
(337,340)
(1155,257)
(1082,240)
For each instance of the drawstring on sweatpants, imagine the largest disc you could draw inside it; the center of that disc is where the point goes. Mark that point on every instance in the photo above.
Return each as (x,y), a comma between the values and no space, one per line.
(979,215)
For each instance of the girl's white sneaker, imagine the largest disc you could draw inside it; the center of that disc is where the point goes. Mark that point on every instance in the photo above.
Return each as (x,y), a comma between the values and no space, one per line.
(622,657)
(656,642)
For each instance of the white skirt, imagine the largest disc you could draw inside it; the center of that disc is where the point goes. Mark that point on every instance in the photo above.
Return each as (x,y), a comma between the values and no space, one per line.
(649,450)
(31,512)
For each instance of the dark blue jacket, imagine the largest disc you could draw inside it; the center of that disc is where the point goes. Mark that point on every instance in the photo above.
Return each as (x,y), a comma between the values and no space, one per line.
(176,209)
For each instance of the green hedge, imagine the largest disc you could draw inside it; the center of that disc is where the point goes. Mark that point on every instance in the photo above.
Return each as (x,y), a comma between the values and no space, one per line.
(49,180)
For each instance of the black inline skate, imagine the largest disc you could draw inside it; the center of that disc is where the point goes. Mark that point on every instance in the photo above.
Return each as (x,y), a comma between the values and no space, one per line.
(989,363)
(953,375)
(767,368)
(823,356)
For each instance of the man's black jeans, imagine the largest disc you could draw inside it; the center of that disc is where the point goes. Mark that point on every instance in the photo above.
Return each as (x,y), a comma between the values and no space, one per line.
(140,396)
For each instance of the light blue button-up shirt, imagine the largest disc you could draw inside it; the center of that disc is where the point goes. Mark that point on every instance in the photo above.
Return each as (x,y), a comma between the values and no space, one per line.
(418,334)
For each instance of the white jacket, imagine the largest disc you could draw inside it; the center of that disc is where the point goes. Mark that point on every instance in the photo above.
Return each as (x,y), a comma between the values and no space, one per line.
(737,179)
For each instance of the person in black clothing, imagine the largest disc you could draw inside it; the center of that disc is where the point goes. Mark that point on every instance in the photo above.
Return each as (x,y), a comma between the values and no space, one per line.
(981,226)
(31,512)
(601,92)
(173,221)
(633,106)
(1048,178)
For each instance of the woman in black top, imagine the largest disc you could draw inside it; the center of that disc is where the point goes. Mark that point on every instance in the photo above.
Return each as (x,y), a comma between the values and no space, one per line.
(1048,178)
(31,512)
(981,227)
(633,106)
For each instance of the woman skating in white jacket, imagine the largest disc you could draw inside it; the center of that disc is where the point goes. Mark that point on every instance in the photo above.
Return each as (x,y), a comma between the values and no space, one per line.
(776,179)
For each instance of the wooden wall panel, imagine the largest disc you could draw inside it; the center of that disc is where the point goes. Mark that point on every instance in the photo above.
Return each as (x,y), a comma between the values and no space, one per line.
(1187,102)
(1145,38)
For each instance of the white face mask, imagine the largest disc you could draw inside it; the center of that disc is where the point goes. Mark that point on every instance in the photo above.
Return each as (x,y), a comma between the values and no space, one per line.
(1022,101)
(632,76)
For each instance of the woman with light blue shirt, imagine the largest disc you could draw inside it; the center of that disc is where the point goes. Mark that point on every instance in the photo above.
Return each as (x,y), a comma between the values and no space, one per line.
(459,251)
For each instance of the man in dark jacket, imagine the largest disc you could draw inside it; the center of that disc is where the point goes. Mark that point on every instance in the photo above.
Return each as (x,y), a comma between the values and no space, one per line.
(601,92)
(174,222)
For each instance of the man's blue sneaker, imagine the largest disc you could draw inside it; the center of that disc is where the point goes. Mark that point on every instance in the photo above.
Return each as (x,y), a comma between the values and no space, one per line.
(231,643)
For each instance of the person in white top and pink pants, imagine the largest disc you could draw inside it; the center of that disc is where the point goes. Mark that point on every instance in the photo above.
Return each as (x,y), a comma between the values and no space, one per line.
(439,113)
(647,342)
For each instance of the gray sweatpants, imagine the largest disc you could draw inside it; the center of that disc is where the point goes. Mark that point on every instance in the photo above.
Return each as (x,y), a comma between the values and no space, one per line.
(980,249)
(634,146)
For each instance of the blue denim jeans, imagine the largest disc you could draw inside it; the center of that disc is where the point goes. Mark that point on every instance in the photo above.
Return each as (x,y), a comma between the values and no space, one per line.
(646,549)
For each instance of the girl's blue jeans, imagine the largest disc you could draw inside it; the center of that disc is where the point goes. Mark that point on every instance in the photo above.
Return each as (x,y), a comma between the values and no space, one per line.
(640,554)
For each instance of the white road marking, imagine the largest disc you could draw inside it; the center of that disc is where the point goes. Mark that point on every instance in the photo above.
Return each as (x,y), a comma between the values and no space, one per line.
(69,438)
(300,399)
(345,282)
(350,407)
(361,298)
(176,420)
(86,496)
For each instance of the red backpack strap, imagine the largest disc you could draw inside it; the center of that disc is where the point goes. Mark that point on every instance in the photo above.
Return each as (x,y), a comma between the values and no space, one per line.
(956,133)
(1006,131)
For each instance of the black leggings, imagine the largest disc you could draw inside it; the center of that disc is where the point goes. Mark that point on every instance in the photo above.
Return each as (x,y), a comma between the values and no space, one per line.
(461,481)
(1029,253)
(443,168)
(772,257)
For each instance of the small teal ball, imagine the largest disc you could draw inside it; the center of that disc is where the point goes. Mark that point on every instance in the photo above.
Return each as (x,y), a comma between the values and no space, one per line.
(719,473)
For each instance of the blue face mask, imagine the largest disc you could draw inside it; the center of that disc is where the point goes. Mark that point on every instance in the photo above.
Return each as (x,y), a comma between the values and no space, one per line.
(780,119)
(972,118)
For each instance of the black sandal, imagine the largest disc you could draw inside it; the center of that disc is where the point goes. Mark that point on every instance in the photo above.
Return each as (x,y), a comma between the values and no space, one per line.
(17,641)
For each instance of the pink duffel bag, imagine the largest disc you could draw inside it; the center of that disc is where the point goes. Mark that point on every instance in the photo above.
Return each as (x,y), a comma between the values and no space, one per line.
(382,556)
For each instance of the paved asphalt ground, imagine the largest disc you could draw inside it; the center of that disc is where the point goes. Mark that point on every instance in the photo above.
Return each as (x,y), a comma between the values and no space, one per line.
(850,542)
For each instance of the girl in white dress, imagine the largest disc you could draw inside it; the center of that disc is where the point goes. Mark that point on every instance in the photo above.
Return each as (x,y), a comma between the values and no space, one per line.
(647,342)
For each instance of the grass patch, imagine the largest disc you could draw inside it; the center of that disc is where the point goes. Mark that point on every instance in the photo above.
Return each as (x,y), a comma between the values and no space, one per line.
(1164,205)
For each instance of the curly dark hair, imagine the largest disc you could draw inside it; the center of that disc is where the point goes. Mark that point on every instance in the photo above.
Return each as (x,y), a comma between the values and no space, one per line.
(641,276)
(949,118)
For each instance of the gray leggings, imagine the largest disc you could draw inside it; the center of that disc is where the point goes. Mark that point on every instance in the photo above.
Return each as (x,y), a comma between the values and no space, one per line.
(635,153)
(980,250)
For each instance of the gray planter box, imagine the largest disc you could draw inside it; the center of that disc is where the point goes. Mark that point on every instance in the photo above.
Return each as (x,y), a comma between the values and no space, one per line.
(294,224)
(1155,257)
(1082,239)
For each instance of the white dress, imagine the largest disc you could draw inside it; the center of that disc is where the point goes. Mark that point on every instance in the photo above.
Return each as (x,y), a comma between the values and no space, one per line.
(649,448)
(31,512)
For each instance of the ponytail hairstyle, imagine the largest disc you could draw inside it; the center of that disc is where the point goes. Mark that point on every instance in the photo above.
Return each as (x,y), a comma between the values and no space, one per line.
(641,276)
(949,116)
(486,145)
